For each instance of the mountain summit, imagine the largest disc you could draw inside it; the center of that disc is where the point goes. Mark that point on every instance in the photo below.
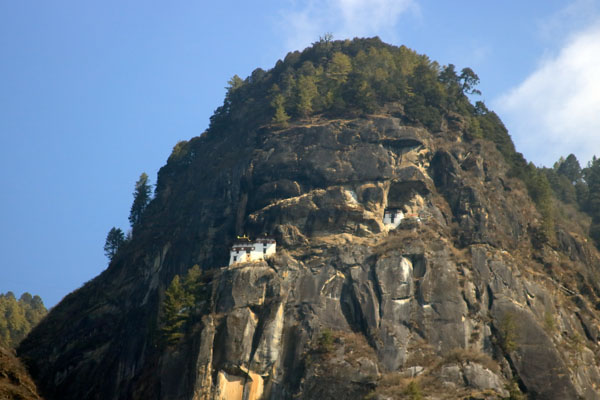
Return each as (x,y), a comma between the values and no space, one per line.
(406,253)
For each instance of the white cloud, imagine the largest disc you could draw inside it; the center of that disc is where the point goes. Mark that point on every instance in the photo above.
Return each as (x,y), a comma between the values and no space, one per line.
(556,110)
(310,19)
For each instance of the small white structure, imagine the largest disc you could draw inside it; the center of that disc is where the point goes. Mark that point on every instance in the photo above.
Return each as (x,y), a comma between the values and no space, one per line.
(244,249)
(392,217)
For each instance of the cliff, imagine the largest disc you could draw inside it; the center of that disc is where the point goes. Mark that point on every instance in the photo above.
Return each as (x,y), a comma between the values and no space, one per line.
(468,300)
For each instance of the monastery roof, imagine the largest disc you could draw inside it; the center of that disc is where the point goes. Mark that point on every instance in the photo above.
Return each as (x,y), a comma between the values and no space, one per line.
(245,242)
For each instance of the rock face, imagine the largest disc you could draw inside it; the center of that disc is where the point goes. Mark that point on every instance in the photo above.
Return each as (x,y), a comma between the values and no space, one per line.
(455,303)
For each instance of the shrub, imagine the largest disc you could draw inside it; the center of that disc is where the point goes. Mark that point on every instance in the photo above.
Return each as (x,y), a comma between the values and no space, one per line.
(413,391)
(508,333)
(325,341)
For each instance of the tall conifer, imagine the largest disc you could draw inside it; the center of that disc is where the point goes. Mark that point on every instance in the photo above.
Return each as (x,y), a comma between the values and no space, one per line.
(141,198)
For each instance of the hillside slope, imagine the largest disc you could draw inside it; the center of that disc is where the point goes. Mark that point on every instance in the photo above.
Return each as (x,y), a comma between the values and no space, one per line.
(15,382)
(466,297)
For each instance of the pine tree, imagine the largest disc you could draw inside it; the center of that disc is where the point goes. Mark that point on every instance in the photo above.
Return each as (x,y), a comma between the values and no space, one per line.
(469,80)
(280,116)
(307,92)
(541,193)
(114,240)
(591,175)
(570,168)
(278,103)
(339,67)
(176,309)
(141,199)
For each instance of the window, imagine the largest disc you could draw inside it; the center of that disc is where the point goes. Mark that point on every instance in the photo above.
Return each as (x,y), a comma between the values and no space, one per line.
(265,250)
(234,258)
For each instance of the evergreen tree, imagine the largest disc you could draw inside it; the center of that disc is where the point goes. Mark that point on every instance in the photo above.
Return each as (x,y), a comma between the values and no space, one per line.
(278,104)
(570,168)
(469,80)
(307,92)
(114,240)
(234,83)
(591,175)
(339,67)
(541,193)
(562,186)
(176,309)
(280,116)
(427,96)
(450,80)
(141,199)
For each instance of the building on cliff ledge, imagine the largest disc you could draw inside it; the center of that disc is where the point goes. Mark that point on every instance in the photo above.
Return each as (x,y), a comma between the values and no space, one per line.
(392,217)
(244,249)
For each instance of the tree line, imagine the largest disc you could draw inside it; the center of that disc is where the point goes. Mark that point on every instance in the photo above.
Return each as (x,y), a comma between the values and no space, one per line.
(347,77)
(578,186)
(18,317)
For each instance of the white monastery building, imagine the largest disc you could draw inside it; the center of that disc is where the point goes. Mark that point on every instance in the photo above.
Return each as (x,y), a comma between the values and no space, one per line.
(392,217)
(244,249)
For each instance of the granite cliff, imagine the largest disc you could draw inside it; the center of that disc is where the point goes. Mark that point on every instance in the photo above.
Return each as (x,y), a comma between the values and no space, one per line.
(465,299)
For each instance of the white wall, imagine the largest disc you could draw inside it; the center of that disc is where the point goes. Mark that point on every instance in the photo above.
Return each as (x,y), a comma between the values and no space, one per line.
(397,215)
(260,251)
(239,256)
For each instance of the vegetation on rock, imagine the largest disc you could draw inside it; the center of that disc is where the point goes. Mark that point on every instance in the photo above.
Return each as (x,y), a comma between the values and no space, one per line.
(341,78)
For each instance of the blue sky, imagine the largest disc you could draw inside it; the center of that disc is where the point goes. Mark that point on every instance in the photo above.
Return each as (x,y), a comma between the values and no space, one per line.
(94,93)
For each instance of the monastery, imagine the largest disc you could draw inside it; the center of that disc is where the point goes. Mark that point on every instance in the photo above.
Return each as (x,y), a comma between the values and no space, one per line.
(244,249)
(392,217)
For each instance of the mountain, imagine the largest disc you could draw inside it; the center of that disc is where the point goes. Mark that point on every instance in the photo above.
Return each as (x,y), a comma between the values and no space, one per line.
(485,289)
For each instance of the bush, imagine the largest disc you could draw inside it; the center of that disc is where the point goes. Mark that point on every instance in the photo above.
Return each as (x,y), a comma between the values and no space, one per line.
(507,331)
(514,393)
(413,391)
(325,341)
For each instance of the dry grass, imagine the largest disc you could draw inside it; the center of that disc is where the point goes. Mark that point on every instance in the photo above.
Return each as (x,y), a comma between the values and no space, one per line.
(396,240)
(421,354)
(464,356)
(15,382)
(356,347)
(393,385)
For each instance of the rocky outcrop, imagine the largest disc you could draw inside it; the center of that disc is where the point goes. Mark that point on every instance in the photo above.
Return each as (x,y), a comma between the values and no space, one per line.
(15,382)
(454,303)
